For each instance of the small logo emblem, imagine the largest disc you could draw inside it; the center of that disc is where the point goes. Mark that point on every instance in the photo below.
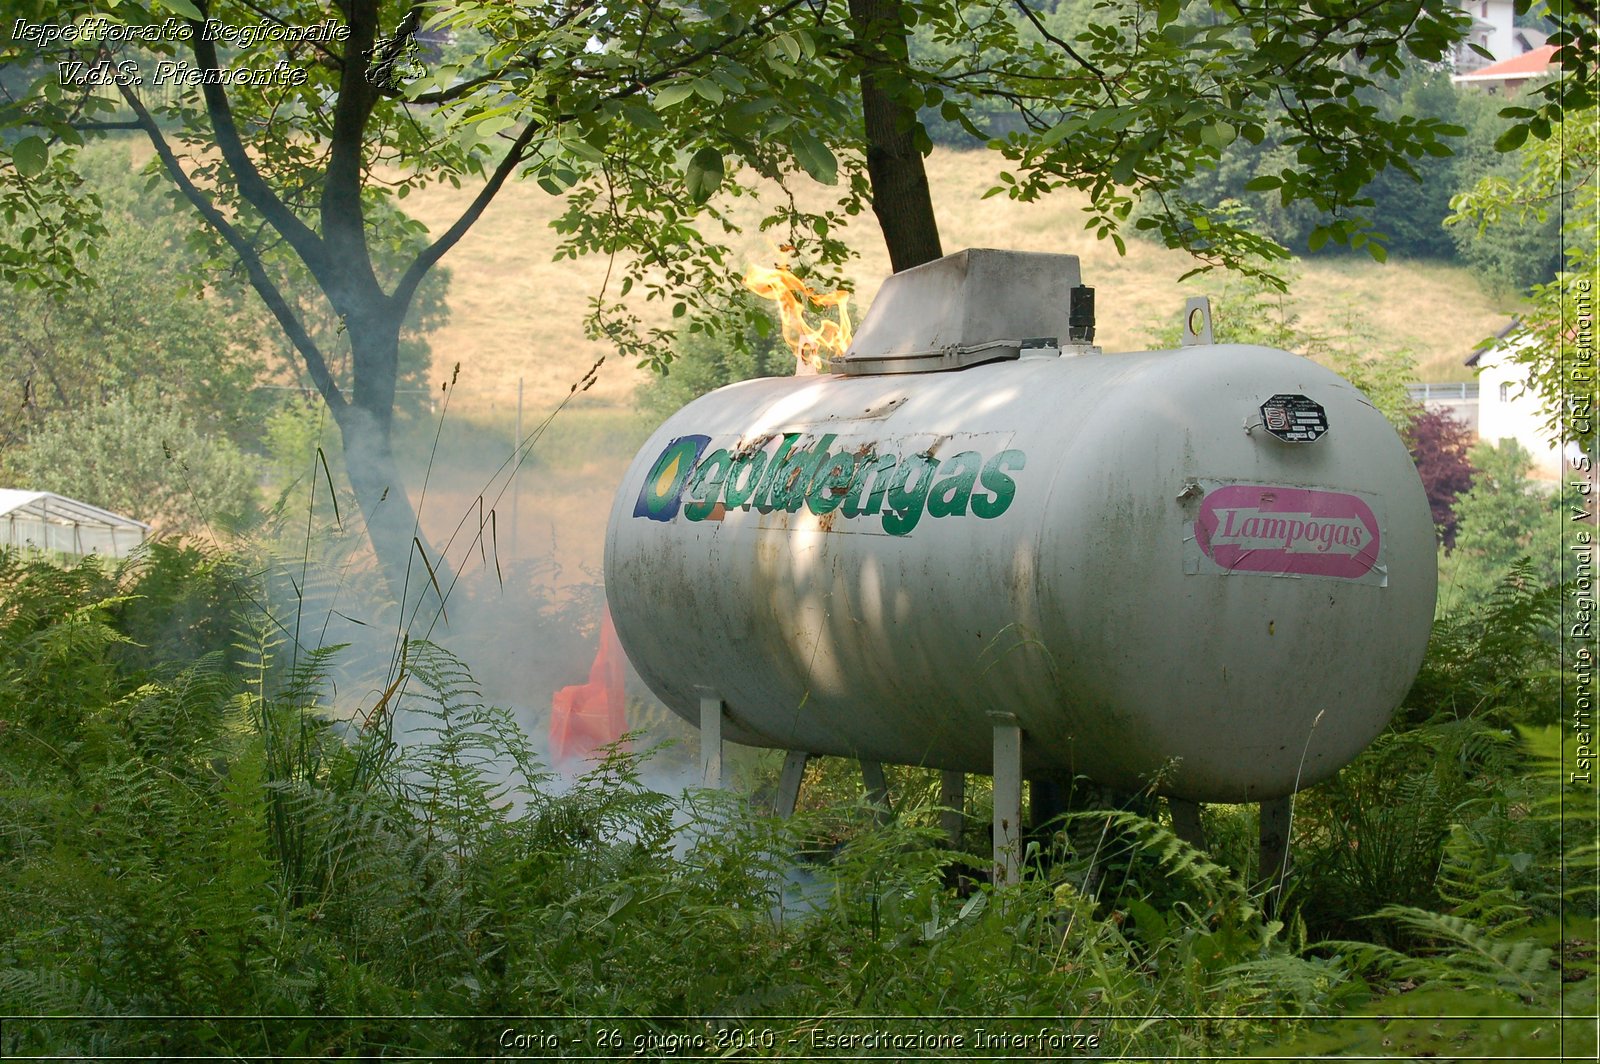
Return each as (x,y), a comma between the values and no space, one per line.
(662,492)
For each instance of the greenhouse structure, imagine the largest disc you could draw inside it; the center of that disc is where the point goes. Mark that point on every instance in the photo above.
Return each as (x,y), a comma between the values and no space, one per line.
(45,521)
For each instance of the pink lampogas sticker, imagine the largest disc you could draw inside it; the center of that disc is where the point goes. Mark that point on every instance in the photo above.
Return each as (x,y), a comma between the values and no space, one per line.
(1263,528)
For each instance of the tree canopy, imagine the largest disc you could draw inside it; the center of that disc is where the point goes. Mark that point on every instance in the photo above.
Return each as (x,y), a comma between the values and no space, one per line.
(645,111)
(1553,185)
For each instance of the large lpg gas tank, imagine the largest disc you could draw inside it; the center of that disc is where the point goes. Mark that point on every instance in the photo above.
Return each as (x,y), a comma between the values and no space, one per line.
(1209,569)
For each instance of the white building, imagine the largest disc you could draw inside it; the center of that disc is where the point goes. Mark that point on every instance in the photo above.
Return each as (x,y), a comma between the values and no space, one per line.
(1508,409)
(1493,28)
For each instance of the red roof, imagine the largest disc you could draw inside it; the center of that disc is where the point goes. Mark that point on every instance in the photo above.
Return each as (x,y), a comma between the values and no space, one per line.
(1526,65)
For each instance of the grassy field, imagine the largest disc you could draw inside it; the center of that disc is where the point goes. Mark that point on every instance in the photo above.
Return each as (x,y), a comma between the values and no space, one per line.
(516,314)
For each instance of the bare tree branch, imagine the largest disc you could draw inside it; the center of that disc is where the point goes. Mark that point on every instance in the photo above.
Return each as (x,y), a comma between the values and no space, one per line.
(434,252)
(315,363)
(252,186)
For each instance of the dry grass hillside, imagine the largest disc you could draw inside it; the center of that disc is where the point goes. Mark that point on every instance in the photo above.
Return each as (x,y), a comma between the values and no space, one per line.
(515,313)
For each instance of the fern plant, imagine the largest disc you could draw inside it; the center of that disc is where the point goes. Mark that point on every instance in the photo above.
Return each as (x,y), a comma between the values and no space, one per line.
(176,840)
(1433,813)
(1457,953)
(1377,832)
(1498,663)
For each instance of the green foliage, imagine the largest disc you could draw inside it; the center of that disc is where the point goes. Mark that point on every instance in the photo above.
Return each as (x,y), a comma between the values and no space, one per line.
(1562,812)
(1497,661)
(186,288)
(189,842)
(1115,99)
(1491,871)
(73,638)
(1510,237)
(1445,844)
(705,361)
(294,433)
(1449,810)
(1462,955)
(394,243)
(1203,76)
(1411,209)
(50,219)
(292,160)
(191,829)
(180,606)
(1510,257)
(1576,35)
(1546,199)
(133,321)
(1407,204)
(1126,858)
(1503,518)
(1374,834)
(141,455)
(1468,988)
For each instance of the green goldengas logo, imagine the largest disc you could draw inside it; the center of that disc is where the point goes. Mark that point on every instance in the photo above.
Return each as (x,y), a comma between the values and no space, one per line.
(856,482)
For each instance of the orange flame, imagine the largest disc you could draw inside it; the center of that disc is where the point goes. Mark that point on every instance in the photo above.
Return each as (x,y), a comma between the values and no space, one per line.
(812,344)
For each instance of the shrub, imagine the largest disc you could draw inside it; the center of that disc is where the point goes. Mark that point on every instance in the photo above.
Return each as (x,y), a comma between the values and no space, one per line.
(198,839)
(139,454)
(1502,519)
(1439,443)
(703,362)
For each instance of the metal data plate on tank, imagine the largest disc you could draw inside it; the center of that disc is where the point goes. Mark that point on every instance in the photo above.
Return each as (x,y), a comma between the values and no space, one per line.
(1294,418)
(1278,530)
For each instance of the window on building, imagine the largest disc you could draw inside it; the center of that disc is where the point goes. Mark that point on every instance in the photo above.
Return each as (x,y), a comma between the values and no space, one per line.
(1505,391)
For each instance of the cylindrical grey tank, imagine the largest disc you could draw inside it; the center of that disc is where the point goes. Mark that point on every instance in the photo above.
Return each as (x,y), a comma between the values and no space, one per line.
(1210,569)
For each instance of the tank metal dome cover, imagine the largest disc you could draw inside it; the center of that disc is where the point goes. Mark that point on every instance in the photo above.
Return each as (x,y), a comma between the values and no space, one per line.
(978,305)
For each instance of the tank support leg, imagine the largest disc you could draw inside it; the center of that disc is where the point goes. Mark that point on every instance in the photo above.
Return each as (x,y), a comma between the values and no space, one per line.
(1186,822)
(794,771)
(1007,798)
(710,741)
(1274,854)
(952,800)
(877,789)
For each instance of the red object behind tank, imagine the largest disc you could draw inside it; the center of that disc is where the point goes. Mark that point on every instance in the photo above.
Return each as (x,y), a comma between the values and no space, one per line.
(586,717)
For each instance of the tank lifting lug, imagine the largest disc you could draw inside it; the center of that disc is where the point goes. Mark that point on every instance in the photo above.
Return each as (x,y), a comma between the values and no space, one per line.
(1197,322)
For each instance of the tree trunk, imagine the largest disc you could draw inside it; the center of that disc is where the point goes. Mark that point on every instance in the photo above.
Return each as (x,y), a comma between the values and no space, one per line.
(417,576)
(900,196)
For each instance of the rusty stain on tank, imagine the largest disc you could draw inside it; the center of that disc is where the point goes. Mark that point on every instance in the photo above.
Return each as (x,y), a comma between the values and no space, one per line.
(748,447)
